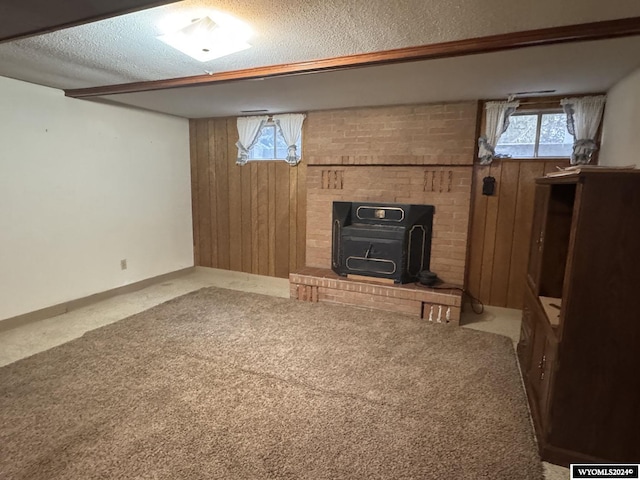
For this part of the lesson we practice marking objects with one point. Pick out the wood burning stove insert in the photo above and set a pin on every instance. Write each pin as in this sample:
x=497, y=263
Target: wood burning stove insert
x=381, y=240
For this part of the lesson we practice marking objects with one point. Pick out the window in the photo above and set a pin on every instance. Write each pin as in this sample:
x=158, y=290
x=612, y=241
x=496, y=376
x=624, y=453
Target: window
x=271, y=145
x=536, y=134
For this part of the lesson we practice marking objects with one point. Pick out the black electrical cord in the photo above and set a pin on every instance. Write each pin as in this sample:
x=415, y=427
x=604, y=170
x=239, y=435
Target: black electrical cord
x=476, y=305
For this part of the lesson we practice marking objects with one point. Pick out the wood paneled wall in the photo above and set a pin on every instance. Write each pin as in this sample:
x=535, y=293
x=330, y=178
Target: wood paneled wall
x=501, y=229
x=247, y=219
x=253, y=218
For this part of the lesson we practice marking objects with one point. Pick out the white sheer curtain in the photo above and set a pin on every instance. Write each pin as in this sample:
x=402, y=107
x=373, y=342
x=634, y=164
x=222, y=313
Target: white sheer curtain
x=583, y=119
x=248, y=132
x=290, y=126
x=496, y=123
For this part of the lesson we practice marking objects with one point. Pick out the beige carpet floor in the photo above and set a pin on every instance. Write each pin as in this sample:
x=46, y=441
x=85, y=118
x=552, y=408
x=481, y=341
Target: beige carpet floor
x=220, y=384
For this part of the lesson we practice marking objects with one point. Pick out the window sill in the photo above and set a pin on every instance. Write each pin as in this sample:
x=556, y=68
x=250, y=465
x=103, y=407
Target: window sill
x=266, y=160
x=559, y=160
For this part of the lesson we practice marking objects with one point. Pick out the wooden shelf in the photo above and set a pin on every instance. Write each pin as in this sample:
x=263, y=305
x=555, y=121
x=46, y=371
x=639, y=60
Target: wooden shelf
x=551, y=306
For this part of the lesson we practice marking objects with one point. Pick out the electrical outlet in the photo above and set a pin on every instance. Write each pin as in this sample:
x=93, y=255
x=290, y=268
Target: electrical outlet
x=123, y=264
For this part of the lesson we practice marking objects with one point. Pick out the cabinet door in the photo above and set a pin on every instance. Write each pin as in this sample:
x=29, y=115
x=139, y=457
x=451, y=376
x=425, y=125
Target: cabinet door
x=542, y=367
x=537, y=235
x=525, y=345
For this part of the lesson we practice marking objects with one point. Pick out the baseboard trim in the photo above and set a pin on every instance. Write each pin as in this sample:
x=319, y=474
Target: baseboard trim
x=59, y=309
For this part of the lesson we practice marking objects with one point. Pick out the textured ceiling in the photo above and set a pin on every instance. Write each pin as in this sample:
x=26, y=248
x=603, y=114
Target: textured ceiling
x=124, y=49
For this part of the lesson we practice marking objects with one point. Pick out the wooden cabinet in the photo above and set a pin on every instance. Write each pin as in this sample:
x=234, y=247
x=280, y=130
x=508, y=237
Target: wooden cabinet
x=526, y=333
x=579, y=346
x=537, y=353
x=537, y=229
x=542, y=368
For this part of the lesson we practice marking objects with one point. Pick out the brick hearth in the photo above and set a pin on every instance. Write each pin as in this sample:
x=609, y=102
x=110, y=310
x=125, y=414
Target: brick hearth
x=323, y=285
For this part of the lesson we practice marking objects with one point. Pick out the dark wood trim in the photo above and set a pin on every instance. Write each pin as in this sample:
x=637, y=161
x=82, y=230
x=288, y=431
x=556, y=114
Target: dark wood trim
x=474, y=187
x=390, y=164
x=105, y=8
x=493, y=43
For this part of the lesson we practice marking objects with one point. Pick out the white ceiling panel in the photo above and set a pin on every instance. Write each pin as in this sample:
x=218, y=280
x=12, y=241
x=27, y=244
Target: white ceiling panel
x=568, y=68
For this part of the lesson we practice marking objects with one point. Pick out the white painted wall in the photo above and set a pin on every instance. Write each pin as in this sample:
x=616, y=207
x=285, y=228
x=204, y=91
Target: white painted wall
x=621, y=124
x=82, y=186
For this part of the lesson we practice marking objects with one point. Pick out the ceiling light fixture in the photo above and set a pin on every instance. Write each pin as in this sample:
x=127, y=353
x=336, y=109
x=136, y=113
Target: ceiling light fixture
x=209, y=37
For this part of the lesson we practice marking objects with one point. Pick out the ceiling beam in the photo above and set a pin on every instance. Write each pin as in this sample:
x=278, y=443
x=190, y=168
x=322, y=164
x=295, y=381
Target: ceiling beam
x=27, y=18
x=472, y=46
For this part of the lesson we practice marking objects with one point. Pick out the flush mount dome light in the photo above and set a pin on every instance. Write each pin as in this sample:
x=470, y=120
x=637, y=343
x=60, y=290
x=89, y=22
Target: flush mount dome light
x=205, y=39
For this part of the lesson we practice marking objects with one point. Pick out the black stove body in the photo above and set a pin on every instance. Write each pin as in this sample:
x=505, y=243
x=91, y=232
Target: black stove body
x=385, y=240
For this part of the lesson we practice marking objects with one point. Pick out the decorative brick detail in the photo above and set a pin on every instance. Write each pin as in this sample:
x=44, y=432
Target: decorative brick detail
x=438, y=306
x=439, y=313
x=440, y=181
x=332, y=179
x=305, y=293
x=308, y=293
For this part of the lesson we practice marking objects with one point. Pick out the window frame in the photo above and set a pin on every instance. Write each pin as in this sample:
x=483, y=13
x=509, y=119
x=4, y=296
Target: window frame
x=539, y=112
x=271, y=124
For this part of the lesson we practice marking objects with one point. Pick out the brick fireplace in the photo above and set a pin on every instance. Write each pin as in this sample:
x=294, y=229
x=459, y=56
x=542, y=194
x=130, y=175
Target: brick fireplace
x=410, y=154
